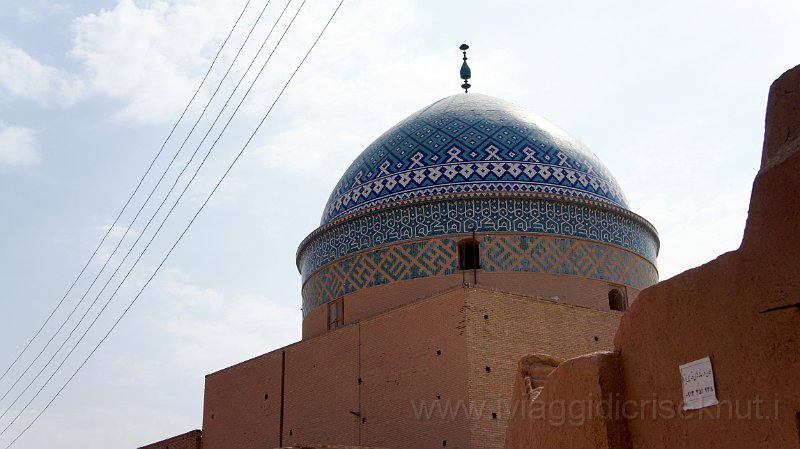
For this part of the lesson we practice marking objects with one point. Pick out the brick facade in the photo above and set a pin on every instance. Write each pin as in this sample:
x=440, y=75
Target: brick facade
x=368, y=302
x=189, y=440
x=413, y=376
x=502, y=328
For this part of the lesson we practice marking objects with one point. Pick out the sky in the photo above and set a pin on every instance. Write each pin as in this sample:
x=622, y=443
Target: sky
x=670, y=95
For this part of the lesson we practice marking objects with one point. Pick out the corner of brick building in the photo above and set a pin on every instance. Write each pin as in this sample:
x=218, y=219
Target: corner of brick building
x=742, y=310
x=188, y=440
x=356, y=385
x=501, y=328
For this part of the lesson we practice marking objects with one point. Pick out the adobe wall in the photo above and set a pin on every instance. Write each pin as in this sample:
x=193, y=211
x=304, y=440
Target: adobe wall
x=741, y=310
x=414, y=357
x=411, y=377
x=371, y=301
x=503, y=327
x=592, y=383
x=721, y=310
x=568, y=289
x=358, y=385
x=321, y=389
x=189, y=440
x=325, y=446
x=242, y=404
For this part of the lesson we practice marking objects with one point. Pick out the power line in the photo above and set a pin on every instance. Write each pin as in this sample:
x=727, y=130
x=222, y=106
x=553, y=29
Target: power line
x=141, y=208
x=180, y=237
x=130, y=198
x=166, y=197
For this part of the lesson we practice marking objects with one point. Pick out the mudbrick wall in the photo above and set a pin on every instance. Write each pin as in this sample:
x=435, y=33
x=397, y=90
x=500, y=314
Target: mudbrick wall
x=742, y=310
x=352, y=386
x=435, y=373
x=189, y=440
x=501, y=328
x=367, y=302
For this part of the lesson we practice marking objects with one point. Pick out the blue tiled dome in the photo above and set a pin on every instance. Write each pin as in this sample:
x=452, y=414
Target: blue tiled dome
x=537, y=200
x=471, y=143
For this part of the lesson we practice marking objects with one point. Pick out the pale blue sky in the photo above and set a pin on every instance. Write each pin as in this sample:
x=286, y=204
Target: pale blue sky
x=670, y=95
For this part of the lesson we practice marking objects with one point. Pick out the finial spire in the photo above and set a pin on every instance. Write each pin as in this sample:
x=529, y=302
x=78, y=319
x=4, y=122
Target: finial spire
x=466, y=73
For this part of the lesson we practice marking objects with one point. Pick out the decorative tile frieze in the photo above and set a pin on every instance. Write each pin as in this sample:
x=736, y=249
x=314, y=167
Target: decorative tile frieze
x=499, y=253
x=484, y=215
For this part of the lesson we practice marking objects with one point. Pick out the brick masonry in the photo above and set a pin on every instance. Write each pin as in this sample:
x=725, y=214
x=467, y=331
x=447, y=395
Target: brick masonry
x=568, y=289
x=501, y=329
x=189, y=440
x=413, y=376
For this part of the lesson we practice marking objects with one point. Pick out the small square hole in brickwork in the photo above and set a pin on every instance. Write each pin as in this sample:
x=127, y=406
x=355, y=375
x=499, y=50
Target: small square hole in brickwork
x=438, y=352
x=486, y=317
x=494, y=415
x=444, y=443
x=266, y=396
x=488, y=369
x=363, y=420
x=290, y=432
x=438, y=396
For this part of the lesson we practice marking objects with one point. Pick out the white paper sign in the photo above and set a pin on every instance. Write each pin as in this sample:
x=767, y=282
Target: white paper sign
x=698, y=384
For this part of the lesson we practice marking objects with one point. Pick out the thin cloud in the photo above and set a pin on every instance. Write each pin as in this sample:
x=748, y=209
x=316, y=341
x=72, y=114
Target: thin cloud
x=22, y=76
x=209, y=329
x=38, y=10
x=318, y=127
x=18, y=148
x=166, y=49
x=115, y=234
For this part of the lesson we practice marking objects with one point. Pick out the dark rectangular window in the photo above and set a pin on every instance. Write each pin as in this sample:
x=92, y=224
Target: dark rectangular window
x=335, y=314
x=617, y=300
x=469, y=256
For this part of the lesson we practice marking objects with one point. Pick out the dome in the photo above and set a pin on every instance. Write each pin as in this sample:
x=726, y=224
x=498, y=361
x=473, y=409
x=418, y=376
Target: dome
x=475, y=183
x=471, y=143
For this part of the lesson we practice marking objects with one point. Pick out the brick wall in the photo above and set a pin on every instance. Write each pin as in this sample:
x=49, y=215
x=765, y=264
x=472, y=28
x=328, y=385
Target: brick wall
x=421, y=368
x=372, y=301
x=414, y=357
x=414, y=353
x=369, y=302
x=322, y=389
x=502, y=328
x=189, y=440
x=242, y=405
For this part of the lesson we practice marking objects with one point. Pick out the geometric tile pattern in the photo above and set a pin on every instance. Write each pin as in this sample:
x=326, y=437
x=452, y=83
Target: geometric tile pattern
x=498, y=214
x=471, y=143
x=499, y=253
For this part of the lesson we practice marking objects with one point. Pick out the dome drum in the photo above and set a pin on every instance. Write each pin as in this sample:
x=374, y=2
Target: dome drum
x=487, y=213
x=419, y=239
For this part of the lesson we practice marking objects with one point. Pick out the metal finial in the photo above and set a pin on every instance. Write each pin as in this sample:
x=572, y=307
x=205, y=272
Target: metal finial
x=466, y=73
